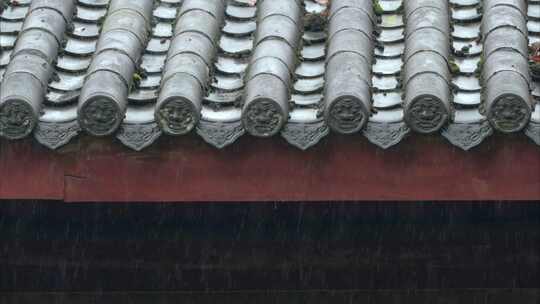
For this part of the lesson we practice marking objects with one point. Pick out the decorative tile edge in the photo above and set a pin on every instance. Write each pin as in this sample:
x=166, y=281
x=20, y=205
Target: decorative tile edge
x=138, y=136
x=467, y=136
x=55, y=135
x=305, y=135
x=220, y=134
x=386, y=135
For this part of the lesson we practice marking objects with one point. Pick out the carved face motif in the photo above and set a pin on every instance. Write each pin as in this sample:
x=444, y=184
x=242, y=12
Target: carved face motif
x=347, y=115
x=427, y=114
x=263, y=118
x=509, y=114
x=16, y=119
x=100, y=116
x=177, y=117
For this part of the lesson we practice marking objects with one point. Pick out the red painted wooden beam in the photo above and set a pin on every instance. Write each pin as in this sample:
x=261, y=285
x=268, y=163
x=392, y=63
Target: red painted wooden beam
x=339, y=168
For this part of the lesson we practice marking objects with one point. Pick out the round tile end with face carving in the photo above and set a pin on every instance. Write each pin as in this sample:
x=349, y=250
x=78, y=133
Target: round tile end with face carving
x=177, y=116
x=426, y=114
x=100, y=116
x=17, y=119
x=347, y=115
x=263, y=117
x=509, y=113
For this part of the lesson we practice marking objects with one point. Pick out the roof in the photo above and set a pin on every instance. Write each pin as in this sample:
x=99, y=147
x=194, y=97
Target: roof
x=138, y=70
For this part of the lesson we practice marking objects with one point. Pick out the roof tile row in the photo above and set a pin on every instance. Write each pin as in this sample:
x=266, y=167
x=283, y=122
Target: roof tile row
x=221, y=68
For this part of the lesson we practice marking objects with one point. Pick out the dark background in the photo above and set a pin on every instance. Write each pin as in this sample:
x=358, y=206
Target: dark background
x=372, y=253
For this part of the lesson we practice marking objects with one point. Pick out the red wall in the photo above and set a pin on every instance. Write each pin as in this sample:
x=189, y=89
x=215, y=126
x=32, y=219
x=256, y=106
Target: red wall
x=339, y=168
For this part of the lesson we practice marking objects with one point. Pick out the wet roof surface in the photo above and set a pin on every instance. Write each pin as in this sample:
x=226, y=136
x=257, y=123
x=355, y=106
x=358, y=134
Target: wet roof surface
x=299, y=69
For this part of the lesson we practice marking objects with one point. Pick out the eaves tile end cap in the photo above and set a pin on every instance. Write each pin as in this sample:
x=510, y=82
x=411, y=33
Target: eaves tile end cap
x=17, y=118
x=347, y=114
x=177, y=116
x=509, y=113
x=263, y=117
x=426, y=114
x=100, y=115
